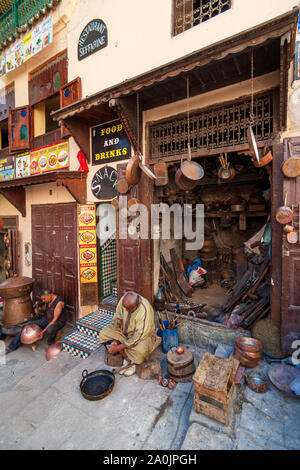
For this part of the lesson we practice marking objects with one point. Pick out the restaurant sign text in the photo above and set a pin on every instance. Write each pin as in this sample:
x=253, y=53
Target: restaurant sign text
x=92, y=38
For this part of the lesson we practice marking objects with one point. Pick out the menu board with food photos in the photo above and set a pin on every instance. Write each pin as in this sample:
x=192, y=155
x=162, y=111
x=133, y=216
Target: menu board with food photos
x=87, y=243
x=49, y=158
x=23, y=49
x=23, y=165
x=7, y=168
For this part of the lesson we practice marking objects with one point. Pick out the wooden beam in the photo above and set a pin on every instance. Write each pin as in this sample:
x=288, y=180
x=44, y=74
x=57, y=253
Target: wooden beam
x=17, y=197
x=276, y=261
x=80, y=131
x=126, y=109
x=76, y=187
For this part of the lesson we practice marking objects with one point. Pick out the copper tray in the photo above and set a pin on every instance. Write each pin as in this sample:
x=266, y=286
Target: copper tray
x=281, y=376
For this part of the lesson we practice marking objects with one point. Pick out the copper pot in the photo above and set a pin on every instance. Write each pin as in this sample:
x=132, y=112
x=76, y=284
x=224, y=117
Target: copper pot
x=53, y=350
x=184, y=183
x=17, y=302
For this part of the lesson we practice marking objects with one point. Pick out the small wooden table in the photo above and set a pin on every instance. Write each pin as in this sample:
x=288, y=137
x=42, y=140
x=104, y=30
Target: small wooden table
x=214, y=386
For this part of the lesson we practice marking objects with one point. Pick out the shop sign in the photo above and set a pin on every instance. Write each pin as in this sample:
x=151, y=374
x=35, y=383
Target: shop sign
x=22, y=50
x=49, y=158
x=104, y=183
x=109, y=143
x=92, y=39
x=7, y=168
x=87, y=243
x=23, y=165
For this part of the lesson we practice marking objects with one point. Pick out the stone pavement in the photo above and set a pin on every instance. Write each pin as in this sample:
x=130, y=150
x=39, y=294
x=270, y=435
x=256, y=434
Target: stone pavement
x=41, y=407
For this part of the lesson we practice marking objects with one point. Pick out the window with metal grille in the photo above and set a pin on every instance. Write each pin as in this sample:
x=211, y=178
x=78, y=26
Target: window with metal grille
x=189, y=13
x=216, y=128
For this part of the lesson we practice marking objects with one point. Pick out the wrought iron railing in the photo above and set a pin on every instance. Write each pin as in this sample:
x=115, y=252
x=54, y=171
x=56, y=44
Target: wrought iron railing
x=20, y=17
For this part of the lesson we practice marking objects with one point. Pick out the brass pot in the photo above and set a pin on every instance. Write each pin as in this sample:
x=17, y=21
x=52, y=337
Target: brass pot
x=208, y=246
x=17, y=302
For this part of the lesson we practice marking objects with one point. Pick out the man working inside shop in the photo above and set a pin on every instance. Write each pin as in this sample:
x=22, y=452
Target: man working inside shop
x=132, y=331
x=52, y=318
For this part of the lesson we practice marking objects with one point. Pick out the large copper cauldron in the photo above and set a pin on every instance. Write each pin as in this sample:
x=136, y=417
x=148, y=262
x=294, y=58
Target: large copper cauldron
x=17, y=302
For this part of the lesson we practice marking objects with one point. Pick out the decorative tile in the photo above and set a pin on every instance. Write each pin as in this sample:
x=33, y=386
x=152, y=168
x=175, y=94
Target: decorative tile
x=96, y=321
x=115, y=291
x=80, y=344
x=75, y=351
x=108, y=262
x=85, y=339
x=112, y=300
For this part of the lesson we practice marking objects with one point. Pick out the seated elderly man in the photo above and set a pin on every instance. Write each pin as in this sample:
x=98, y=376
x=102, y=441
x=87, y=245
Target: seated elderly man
x=132, y=331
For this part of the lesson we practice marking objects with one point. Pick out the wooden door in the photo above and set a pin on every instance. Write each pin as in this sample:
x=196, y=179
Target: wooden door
x=290, y=300
x=54, y=252
x=128, y=252
x=134, y=256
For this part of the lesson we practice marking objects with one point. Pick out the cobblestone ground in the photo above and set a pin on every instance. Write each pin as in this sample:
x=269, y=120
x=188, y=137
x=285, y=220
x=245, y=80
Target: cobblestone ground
x=41, y=407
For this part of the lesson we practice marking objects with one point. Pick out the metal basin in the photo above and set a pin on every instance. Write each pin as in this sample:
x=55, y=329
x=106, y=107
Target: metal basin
x=250, y=345
x=257, y=381
x=30, y=334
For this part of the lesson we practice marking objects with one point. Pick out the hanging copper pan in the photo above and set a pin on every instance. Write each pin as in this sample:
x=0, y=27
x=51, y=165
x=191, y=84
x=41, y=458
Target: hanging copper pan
x=161, y=173
x=133, y=171
x=292, y=236
x=263, y=161
x=122, y=186
x=147, y=171
x=252, y=144
x=184, y=183
x=284, y=214
x=191, y=170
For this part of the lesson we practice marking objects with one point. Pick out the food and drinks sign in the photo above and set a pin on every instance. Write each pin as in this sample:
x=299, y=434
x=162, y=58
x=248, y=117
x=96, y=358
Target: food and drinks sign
x=109, y=143
x=22, y=50
x=87, y=243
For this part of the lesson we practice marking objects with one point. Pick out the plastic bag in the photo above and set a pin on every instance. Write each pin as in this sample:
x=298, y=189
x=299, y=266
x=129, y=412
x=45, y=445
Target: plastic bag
x=195, y=276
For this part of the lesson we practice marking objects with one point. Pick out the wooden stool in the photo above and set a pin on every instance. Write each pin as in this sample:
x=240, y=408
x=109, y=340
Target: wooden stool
x=181, y=367
x=214, y=386
x=113, y=360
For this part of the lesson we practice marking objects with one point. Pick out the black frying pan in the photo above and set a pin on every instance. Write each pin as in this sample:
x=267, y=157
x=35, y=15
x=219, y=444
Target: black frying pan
x=97, y=385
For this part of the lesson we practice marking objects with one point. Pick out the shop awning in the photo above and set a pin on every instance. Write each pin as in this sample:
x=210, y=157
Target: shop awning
x=217, y=66
x=14, y=189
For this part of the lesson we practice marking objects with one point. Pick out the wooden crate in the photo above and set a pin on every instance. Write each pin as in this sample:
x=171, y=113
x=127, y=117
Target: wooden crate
x=214, y=386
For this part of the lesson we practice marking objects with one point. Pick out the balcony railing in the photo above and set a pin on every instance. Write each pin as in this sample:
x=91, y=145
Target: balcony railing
x=20, y=17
